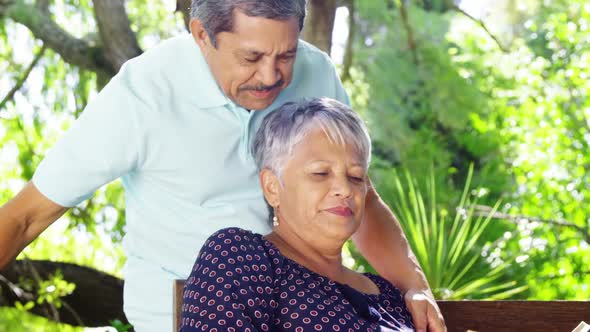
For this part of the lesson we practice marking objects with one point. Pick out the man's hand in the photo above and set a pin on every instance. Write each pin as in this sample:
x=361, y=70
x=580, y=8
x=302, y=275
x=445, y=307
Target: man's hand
x=381, y=240
x=425, y=312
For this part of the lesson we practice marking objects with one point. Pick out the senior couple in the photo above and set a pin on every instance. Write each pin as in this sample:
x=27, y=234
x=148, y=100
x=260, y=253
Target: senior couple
x=177, y=124
x=313, y=158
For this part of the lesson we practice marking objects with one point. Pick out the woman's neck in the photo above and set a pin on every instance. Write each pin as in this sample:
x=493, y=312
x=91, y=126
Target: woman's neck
x=326, y=260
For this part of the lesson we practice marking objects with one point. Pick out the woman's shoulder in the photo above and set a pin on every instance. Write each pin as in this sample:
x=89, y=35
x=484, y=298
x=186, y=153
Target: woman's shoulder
x=236, y=234
x=234, y=239
x=238, y=246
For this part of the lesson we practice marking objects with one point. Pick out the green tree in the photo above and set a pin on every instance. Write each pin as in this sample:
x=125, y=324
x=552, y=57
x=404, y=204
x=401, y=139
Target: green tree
x=510, y=96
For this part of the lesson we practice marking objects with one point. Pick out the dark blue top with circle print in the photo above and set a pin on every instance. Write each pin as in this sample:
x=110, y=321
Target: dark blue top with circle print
x=241, y=282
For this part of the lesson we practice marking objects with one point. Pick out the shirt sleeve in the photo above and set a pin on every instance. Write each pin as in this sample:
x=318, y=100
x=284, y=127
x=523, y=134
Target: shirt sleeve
x=230, y=287
x=103, y=144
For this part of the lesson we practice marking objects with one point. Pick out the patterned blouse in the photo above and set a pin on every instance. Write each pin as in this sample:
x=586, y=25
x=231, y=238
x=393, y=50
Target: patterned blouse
x=241, y=282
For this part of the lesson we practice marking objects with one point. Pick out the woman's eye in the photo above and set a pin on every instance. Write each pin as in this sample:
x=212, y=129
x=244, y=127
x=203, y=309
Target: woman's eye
x=320, y=174
x=356, y=179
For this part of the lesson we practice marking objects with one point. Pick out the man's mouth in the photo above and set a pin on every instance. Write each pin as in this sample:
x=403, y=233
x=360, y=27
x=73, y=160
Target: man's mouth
x=263, y=92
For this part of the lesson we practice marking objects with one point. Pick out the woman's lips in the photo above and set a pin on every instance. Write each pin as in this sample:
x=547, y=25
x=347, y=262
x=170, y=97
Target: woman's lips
x=341, y=211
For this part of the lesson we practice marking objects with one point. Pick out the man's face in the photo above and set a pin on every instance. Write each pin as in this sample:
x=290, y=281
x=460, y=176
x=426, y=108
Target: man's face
x=253, y=63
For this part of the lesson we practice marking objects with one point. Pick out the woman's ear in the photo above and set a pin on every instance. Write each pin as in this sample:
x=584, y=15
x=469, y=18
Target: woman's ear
x=270, y=187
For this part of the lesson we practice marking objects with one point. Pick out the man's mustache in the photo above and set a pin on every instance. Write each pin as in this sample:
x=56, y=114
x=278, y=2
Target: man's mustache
x=262, y=87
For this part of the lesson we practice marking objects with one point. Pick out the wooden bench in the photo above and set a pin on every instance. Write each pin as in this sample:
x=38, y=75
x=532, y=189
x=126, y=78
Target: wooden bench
x=484, y=316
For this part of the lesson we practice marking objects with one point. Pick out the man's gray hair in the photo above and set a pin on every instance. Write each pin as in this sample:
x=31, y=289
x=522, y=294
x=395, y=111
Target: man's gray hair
x=218, y=15
x=281, y=130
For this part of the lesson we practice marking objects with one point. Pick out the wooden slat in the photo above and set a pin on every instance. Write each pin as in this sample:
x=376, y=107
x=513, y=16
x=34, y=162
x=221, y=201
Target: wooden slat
x=177, y=302
x=487, y=316
x=504, y=316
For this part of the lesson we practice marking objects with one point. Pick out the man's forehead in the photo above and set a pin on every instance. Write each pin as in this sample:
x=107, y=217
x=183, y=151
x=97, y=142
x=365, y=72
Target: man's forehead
x=250, y=50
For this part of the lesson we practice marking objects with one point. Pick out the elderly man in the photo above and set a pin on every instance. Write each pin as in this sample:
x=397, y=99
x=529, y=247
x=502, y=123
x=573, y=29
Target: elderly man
x=176, y=124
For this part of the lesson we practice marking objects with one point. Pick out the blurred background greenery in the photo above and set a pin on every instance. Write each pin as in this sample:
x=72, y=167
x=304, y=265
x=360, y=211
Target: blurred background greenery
x=478, y=109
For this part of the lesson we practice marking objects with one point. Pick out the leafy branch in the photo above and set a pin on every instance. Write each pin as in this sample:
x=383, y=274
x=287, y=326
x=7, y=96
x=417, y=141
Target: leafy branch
x=482, y=210
x=22, y=79
x=481, y=24
x=403, y=9
x=554, y=276
x=47, y=291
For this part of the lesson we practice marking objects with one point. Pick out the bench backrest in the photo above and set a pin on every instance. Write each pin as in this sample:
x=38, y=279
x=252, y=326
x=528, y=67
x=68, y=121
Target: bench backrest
x=483, y=316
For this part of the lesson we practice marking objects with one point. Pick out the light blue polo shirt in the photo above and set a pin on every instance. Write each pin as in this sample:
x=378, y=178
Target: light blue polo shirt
x=181, y=148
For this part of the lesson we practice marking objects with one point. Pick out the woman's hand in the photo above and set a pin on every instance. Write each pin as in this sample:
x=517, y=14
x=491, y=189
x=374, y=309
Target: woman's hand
x=425, y=312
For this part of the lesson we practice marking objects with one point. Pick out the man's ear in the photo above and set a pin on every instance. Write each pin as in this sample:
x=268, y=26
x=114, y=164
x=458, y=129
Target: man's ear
x=199, y=33
x=270, y=187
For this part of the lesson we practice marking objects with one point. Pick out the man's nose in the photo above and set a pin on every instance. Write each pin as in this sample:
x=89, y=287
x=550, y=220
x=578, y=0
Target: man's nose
x=268, y=72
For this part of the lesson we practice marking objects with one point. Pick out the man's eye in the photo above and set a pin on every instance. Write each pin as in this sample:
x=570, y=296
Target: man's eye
x=251, y=60
x=287, y=58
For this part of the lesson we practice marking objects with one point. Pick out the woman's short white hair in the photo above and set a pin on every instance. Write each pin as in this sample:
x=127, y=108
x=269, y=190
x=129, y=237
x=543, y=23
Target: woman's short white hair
x=282, y=129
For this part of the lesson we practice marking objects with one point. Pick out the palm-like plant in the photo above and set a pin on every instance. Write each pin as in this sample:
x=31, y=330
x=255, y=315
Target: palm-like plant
x=449, y=248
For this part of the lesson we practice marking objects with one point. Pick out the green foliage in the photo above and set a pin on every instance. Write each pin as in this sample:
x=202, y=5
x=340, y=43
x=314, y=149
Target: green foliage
x=48, y=292
x=539, y=92
x=421, y=107
x=18, y=319
x=450, y=248
x=153, y=21
x=521, y=116
x=120, y=326
x=52, y=290
x=53, y=96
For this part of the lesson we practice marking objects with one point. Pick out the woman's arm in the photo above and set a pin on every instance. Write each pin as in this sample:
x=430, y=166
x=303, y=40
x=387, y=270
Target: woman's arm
x=382, y=241
x=224, y=291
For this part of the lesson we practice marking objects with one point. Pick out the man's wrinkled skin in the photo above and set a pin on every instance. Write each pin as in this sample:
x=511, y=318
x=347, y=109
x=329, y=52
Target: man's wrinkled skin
x=425, y=311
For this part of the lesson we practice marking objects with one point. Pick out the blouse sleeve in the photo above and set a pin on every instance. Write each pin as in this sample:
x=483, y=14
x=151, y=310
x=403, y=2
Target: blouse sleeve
x=230, y=287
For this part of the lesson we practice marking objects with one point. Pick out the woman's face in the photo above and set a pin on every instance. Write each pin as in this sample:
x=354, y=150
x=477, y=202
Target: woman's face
x=322, y=197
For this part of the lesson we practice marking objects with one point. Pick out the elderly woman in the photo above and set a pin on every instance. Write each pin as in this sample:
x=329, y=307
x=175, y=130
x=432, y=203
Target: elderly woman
x=313, y=158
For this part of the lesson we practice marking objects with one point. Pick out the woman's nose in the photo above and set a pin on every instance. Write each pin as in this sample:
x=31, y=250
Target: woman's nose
x=341, y=187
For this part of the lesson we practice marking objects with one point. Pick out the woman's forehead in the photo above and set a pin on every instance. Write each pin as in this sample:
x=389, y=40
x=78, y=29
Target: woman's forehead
x=317, y=147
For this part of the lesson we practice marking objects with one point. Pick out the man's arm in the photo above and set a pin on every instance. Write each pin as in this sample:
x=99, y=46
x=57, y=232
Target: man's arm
x=383, y=243
x=22, y=219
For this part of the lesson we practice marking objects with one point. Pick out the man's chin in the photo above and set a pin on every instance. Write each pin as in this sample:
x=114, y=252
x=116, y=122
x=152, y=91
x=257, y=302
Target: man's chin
x=256, y=104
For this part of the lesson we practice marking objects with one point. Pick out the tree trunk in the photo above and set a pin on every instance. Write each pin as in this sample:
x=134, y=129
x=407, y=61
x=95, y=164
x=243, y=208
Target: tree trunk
x=97, y=299
x=320, y=23
x=118, y=40
x=184, y=7
x=349, y=51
